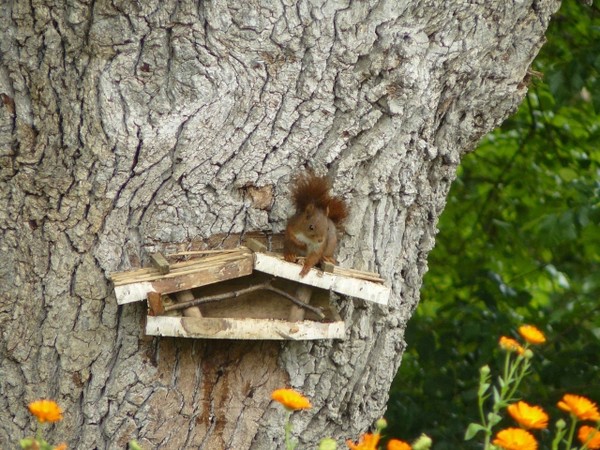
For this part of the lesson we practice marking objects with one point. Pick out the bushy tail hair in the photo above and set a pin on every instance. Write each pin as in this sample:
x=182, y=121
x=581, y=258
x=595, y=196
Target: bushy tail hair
x=309, y=188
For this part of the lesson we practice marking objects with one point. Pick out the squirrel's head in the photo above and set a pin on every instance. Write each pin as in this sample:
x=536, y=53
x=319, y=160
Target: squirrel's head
x=314, y=223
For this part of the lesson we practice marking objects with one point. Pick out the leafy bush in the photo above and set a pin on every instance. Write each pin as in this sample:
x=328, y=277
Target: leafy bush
x=519, y=242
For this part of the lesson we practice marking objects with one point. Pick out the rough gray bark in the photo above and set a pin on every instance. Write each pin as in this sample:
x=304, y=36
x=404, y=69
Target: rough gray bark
x=134, y=126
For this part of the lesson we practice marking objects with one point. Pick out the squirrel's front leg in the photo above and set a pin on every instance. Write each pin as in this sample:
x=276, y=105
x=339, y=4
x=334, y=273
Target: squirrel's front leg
x=310, y=261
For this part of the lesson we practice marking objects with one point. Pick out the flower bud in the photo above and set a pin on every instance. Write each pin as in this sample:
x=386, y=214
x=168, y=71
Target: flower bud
x=327, y=444
x=133, y=445
x=560, y=424
x=380, y=424
x=423, y=442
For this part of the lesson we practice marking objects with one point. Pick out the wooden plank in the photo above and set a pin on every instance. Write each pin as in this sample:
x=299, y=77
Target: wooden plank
x=188, y=279
x=248, y=329
x=363, y=289
x=150, y=273
x=136, y=292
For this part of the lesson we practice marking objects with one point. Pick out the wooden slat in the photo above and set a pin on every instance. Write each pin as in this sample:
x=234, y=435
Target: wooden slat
x=250, y=329
x=364, y=289
x=188, y=278
x=160, y=262
x=202, y=252
x=369, y=276
x=256, y=246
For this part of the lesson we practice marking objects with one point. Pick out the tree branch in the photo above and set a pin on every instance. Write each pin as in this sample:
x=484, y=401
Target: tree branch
x=266, y=286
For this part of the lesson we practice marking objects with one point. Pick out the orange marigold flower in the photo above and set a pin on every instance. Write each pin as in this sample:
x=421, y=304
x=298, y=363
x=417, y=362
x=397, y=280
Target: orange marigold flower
x=368, y=441
x=291, y=399
x=510, y=345
x=397, y=444
x=531, y=334
x=581, y=407
x=590, y=436
x=528, y=416
x=515, y=439
x=62, y=446
x=45, y=410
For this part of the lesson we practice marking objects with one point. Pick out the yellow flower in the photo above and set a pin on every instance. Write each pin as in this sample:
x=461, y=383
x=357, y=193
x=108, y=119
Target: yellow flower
x=528, y=416
x=531, y=334
x=396, y=444
x=510, y=345
x=368, y=441
x=579, y=406
x=590, y=436
x=291, y=399
x=45, y=411
x=515, y=439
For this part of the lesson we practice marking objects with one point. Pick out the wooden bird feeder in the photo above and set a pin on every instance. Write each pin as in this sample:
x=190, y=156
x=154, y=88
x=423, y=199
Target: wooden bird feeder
x=243, y=294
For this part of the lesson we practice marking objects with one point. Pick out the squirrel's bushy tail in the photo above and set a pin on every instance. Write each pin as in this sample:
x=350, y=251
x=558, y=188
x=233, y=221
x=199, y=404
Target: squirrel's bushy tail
x=309, y=188
x=337, y=211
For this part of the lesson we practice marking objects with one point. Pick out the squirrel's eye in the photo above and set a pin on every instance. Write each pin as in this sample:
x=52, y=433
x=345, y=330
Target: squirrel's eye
x=311, y=227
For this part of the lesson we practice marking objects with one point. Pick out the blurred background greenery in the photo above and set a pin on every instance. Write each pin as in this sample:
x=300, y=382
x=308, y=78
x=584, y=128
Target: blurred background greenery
x=519, y=242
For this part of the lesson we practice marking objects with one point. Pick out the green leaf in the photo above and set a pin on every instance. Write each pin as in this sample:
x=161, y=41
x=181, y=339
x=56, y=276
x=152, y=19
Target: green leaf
x=483, y=387
x=501, y=382
x=496, y=395
x=494, y=419
x=26, y=443
x=472, y=430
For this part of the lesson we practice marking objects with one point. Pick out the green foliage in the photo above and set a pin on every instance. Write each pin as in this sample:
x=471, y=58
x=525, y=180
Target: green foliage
x=133, y=445
x=519, y=243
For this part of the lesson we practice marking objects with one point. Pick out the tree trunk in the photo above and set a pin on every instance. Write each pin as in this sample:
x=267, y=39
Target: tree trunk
x=129, y=127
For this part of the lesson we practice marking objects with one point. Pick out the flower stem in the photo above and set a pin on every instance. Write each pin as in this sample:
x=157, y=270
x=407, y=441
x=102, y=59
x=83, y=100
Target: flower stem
x=507, y=367
x=289, y=445
x=560, y=433
x=524, y=368
x=571, y=432
x=484, y=385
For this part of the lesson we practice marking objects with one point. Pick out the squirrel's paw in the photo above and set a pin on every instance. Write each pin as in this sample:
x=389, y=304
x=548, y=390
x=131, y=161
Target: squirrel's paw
x=304, y=270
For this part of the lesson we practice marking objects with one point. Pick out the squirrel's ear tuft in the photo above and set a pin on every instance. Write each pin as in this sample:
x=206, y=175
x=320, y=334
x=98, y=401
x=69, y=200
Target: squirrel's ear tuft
x=310, y=209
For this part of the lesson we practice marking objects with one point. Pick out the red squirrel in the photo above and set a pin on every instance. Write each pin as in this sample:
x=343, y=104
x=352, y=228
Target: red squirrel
x=312, y=231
